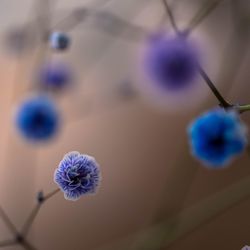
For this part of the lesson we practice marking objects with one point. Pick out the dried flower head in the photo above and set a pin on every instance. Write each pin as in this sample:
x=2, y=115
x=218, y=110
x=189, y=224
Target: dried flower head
x=54, y=76
x=77, y=175
x=170, y=62
x=59, y=40
x=37, y=118
x=216, y=137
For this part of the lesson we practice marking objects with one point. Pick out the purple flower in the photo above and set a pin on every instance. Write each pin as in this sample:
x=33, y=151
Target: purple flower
x=216, y=137
x=170, y=62
x=55, y=76
x=77, y=175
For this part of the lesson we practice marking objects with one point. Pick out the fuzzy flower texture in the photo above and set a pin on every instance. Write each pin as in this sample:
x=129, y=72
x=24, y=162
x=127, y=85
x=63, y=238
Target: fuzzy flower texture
x=59, y=40
x=55, y=76
x=37, y=118
x=170, y=61
x=216, y=137
x=77, y=175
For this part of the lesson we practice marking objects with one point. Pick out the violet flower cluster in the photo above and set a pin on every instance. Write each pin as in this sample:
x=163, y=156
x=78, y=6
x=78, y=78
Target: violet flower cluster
x=77, y=175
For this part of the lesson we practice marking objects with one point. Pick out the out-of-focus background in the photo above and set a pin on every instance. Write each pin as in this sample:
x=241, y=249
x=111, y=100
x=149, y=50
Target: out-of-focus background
x=153, y=194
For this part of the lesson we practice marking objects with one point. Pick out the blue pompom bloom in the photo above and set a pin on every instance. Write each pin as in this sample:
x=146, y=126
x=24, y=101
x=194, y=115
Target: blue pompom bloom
x=59, y=41
x=217, y=136
x=37, y=118
x=55, y=76
x=77, y=175
x=171, y=62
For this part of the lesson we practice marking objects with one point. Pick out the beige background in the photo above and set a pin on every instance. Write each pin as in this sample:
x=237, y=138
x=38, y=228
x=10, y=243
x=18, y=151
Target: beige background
x=148, y=174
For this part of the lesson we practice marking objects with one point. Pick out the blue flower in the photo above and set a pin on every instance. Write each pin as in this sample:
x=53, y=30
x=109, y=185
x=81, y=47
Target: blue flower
x=37, y=118
x=216, y=137
x=59, y=41
x=170, y=62
x=77, y=175
x=55, y=76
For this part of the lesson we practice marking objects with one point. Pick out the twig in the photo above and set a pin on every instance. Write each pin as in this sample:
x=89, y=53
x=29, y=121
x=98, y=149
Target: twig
x=202, y=14
x=34, y=212
x=220, y=98
x=7, y=243
x=171, y=16
x=49, y=195
x=27, y=245
x=243, y=108
x=7, y=221
x=72, y=20
x=30, y=220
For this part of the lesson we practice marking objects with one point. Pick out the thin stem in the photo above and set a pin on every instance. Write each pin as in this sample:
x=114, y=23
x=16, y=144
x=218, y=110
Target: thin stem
x=171, y=16
x=104, y=20
x=76, y=17
x=220, y=98
x=203, y=74
x=27, y=245
x=243, y=108
x=6, y=243
x=7, y=221
x=71, y=20
x=35, y=210
x=202, y=14
x=51, y=194
x=30, y=220
x=115, y=26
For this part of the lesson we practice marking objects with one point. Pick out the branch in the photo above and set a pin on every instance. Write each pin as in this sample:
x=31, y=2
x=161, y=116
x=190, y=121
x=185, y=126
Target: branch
x=7, y=243
x=30, y=220
x=171, y=16
x=28, y=246
x=7, y=221
x=243, y=108
x=51, y=194
x=72, y=20
x=202, y=14
x=34, y=212
x=220, y=98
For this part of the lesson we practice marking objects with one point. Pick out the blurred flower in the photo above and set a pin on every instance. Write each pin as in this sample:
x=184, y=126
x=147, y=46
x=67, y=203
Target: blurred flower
x=59, y=41
x=217, y=136
x=246, y=248
x=77, y=175
x=55, y=76
x=19, y=40
x=37, y=118
x=170, y=62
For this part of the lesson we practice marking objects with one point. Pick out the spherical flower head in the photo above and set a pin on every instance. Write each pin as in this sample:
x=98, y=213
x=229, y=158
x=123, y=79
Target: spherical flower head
x=55, y=76
x=59, y=41
x=216, y=137
x=37, y=118
x=77, y=175
x=170, y=61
